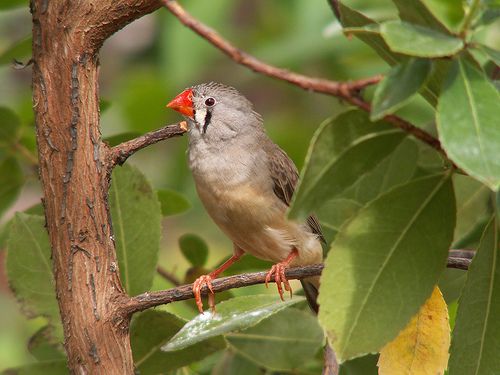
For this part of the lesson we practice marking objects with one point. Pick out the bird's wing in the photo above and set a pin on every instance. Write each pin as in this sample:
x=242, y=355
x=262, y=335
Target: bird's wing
x=285, y=177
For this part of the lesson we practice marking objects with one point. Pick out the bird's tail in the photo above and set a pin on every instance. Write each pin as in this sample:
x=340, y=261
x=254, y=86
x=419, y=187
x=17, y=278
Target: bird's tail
x=311, y=287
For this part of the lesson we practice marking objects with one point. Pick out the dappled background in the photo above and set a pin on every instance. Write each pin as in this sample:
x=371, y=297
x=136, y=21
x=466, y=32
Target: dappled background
x=149, y=62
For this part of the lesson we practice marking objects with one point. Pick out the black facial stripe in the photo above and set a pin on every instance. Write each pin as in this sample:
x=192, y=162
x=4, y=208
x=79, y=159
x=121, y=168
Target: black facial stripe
x=206, y=122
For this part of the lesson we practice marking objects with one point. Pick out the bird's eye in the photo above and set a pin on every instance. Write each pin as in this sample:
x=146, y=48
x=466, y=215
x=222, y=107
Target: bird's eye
x=210, y=102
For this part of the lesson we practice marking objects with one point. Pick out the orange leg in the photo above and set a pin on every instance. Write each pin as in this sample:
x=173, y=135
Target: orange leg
x=279, y=274
x=207, y=280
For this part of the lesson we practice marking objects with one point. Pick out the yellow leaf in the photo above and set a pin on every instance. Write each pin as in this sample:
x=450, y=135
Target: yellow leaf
x=422, y=347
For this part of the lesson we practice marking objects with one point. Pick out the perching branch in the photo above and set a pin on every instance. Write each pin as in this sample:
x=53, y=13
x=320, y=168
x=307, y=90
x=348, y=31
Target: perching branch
x=121, y=152
x=349, y=91
x=151, y=299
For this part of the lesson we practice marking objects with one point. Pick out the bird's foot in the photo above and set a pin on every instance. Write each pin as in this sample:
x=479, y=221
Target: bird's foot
x=279, y=278
x=279, y=274
x=197, y=285
x=207, y=280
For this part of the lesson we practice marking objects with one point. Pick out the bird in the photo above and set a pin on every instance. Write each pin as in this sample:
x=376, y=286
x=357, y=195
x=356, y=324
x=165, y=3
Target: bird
x=246, y=183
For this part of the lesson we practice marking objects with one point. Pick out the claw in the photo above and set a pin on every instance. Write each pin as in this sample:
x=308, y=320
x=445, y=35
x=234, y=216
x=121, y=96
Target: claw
x=285, y=281
x=207, y=280
x=268, y=276
x=197, y=285
x=279, y=275
x=279, y=278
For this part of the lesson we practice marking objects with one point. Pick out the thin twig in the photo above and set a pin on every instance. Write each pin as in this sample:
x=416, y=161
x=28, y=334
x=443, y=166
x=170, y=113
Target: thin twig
x=151, y=299
x=341, y=89
x=168, y=276
x=32, y=159
x=121, y=152
x=349, y=91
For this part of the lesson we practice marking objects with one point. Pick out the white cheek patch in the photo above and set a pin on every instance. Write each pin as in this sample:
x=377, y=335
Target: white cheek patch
x=199, y=117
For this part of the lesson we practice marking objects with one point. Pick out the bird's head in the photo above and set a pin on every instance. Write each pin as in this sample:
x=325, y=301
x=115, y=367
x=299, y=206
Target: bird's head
x=216, y=112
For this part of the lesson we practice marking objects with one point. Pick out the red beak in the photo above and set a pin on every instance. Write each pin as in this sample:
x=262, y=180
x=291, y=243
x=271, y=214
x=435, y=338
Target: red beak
x=183, y=103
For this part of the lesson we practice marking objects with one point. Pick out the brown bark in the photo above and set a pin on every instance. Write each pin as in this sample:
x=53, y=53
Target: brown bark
x=75, y=178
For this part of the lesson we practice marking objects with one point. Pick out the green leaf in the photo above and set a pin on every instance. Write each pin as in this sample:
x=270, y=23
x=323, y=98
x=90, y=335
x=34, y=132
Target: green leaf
x=234, y=314
x=57, y=367
x=493, y=54
x=396, y=169
x=29, y=267
x=434, y=14
x=449, y=12
x=435, y=81
x=36, y=209
x=334, y=213
x=414, y=40
x=172, y=203
x=44, y=346
x=474, y=347
x=122, y=137
x=136, y=222
x=467, y=118
x=141, y=90
x=9, y=125
x=104, y=105
x=400, y=85
x=232, y=363
x=11, y=182
x=18, y=51
x=451, y=284
x=387, y=259
x=285, y=341
x=194, y=248
x=366, y=365
x=9, y=4
x=246, y=264
x=473, y=205
x=152, y=329
x=490, y=14
x=352, y=18
x=341, y=152
x=474, y=236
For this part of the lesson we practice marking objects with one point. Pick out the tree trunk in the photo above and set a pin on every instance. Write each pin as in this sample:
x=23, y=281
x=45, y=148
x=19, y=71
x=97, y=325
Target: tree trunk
x=75, y=177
